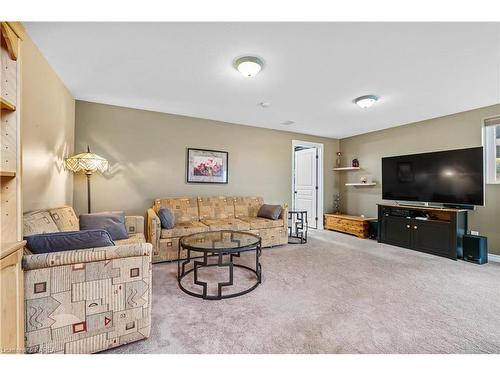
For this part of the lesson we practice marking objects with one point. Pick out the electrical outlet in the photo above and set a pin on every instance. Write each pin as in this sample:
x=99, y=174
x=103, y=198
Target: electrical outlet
x=474, y=232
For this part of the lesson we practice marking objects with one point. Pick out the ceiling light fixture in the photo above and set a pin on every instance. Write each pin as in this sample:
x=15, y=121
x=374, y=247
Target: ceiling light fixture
x=366, y=101
x=288, y=122
x=249, y=66
x=264, y=104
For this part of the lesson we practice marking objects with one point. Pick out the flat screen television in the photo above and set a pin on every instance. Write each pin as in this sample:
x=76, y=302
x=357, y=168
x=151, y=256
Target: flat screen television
x=454, y=177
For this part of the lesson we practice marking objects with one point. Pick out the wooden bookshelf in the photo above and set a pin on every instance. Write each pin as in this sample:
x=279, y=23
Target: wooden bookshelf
x=6, y=105
x=11, y=244
x=7, y=174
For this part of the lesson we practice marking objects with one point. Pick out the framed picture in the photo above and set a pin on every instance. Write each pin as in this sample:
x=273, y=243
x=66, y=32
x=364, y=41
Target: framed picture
x=206, y=166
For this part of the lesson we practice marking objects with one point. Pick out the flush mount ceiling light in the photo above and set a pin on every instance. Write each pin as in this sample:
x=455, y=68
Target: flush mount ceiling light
x=366, y=101
x=249, y=66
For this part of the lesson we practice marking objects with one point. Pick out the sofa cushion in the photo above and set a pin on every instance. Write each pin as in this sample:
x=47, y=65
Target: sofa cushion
x=183, y=229
x=38, y=222
x=184, y=209
x=132, y=239
x=62, y=241
x=247, y=206
x=216, y=207
x=270, y=211
x=113, y=222
x=167, y=218
x=65, y=219
x=262, y=223
x=226, y=224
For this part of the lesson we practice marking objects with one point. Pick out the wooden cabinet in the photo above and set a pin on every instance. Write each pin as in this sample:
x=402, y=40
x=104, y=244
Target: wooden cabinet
x=356, y=225
x=11, y=246
x=12, y=306
x=431, y=230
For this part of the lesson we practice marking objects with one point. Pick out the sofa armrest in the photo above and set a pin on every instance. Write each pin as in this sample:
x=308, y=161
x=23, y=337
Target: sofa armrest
x=62, y=258
x=284, y=216
x=153, y=226
x=97, y=294
x=134, y=224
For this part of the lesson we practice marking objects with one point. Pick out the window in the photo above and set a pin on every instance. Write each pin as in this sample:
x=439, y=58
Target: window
x=492, y=149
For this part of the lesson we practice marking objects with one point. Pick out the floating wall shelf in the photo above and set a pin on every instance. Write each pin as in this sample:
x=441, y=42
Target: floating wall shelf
x=357, y=184
x=347, y=169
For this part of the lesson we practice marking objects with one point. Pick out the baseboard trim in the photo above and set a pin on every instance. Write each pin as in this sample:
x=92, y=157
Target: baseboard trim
x=493, y=257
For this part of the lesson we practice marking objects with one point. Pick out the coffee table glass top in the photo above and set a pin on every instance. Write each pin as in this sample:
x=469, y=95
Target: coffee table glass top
x=223, y=240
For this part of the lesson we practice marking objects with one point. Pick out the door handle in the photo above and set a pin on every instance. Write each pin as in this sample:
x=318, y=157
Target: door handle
x=408, y=226
x=415, y=227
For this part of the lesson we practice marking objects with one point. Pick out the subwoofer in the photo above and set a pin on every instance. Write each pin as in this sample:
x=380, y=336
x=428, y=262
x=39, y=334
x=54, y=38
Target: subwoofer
x=373, y=229
x=475, y=249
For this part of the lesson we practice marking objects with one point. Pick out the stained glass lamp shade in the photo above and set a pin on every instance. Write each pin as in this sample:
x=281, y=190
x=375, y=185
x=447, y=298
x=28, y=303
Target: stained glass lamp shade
x=88, y=163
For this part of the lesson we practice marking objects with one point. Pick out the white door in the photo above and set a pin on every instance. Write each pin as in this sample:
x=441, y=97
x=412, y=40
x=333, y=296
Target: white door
x=305, y=183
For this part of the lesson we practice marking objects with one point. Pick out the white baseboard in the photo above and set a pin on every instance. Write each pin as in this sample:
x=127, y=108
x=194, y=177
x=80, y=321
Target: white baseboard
x=493, y=258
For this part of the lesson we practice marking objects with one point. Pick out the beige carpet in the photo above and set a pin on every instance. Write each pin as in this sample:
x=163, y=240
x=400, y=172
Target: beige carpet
x=336, y=294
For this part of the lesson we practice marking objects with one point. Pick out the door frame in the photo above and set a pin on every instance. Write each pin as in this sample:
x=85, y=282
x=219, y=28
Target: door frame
x=320, y=172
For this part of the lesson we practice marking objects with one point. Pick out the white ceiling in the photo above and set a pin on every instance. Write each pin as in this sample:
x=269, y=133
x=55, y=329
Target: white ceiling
x=312, y=71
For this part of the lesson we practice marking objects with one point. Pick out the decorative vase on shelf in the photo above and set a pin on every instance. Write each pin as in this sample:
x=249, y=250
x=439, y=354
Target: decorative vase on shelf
x=363, y=179
x=338, y=161
x=355, y=163
x=336, y=203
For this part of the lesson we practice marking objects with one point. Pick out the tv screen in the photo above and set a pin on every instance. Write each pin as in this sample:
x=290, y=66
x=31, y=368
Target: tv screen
x=450, y=177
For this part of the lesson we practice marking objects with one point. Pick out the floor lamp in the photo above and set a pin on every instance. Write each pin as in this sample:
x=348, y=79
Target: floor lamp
x=88, y=163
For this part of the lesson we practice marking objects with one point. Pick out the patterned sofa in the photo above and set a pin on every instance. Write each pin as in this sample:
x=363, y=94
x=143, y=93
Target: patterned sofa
x=89, y=300
x=202, y=214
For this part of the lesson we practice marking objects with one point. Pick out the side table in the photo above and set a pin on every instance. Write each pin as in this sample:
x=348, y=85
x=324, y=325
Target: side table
x=297, y=226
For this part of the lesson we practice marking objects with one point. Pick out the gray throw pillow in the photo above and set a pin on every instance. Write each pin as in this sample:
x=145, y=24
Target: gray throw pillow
x=270, y=211
x=62, y=241
x=113, y=222
x=167, y=219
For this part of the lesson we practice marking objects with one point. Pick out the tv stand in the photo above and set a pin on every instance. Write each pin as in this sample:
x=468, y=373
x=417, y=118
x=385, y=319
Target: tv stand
x=431, y=230
x=437, y=205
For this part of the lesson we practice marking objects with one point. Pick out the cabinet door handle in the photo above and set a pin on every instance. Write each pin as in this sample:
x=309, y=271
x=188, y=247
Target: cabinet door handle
x=415, y=227
x=408, y=226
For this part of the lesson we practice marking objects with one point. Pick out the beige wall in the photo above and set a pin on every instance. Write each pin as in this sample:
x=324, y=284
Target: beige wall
x=147, y=155
x=455, y=131
x=47, y=125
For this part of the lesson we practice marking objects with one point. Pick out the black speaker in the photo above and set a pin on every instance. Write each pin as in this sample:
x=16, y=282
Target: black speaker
x=373, y=229
x=475, y=249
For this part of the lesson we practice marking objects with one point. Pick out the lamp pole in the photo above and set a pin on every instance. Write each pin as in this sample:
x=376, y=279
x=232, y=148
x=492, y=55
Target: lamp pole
x=88, y=174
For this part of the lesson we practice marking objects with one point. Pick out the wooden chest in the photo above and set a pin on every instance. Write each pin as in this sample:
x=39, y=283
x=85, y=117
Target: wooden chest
x=355, y=225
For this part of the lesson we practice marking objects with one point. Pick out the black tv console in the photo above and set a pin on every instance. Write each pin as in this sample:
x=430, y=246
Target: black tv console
x=436, y=231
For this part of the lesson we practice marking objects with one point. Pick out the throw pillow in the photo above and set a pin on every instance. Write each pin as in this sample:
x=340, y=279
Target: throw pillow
x=113, y=222
x=270, y=211
x=167, y=219
x=62, y=241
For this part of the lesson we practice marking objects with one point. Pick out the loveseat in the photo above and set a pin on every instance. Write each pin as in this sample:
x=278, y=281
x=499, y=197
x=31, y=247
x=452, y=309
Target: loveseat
x=203, y=214
x=88, y=300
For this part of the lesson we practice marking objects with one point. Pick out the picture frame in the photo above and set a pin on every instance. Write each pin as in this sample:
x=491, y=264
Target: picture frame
x=205, y=166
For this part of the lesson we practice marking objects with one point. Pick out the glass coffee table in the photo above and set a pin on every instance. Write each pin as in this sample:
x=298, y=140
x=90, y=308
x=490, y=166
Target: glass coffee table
x=226, y=245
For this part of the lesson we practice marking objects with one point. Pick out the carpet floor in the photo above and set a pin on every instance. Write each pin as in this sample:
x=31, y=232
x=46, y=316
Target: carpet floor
x=335, y=294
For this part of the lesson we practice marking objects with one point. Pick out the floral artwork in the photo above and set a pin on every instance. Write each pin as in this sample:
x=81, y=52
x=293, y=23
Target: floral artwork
x=207, y=166
x=204, y=166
